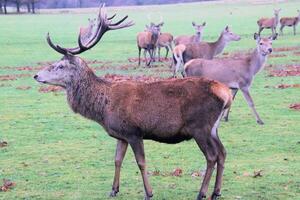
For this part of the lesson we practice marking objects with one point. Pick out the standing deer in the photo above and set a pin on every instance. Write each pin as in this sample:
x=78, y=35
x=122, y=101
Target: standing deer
x=164, y=40
x=269, y=23
x=289, y=21
x=235, y=73
x=147, y=40
x=168, y=111
x=206, y=50
x=186, y=39
x=86, y=32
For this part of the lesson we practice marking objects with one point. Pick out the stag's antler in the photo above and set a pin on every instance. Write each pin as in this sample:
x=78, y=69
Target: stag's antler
x=103, y=24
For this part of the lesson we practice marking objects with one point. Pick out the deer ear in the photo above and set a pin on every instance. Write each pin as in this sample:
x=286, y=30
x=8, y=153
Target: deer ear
x=256, y=36
x=152, y=24
x=204, y=23
x=161, y=24
x=193, y=23
x=226, y=28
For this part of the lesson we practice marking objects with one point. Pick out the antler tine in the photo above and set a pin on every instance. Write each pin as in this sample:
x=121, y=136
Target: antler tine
x=55, y=47
x=110, y=18
x=103, y=25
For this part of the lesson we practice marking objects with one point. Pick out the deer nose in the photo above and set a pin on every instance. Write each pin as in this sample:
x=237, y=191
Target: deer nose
x=270, y=50
x=35, y=76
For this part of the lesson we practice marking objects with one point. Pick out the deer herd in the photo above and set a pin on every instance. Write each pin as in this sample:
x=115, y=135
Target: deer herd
x=167, y=111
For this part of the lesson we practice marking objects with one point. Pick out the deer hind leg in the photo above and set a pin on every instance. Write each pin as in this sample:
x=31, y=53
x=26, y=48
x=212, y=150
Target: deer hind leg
x=226, y=113
x=139, y=48
x=251, y=104
x=220, y=165
x=167, y=51
x=120, y=154
x=294, y=27
x=209, y=148
x=137, y=146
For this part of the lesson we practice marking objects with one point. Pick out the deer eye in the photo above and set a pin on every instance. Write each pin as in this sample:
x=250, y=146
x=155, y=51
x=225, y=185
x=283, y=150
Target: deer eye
x=60, y=67
x=261, y=43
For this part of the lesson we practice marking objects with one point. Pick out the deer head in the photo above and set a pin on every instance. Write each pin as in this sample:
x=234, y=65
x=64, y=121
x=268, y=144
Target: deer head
x=63, y=72
x=228, y=35
x=276, y=12
x=199, y=28
x=264, y=45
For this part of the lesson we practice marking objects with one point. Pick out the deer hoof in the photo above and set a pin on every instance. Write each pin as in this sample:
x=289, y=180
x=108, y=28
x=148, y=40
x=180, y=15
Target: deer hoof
x=215, y=196
x=260, y=122
x=201, y=197
x=113, y=193
x=148, y=197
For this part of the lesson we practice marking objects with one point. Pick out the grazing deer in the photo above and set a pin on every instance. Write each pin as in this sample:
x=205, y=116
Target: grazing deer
x=186, y=39
x=269, y=23
x=147, y=40
x=168, y=111
x=289, y=21
x=206, y=50
x=86, y=32
x=235, y=73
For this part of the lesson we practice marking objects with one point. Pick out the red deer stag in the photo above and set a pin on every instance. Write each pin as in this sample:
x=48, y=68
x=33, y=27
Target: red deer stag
x=269, y=23
x=168, y=111
x=235, y=73
x=147, y=40
x=186, y=39
x=206, y=50
x=289, y=21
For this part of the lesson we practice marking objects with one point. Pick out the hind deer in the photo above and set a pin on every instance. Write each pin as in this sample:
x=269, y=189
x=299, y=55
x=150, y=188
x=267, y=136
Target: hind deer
x=269, y=23
x=86, y=32
x=186, y=39
x=147, y=40
x=289, y=21
x=237, y=74
x=206, y=50
x=169, y=111
x=164, y=40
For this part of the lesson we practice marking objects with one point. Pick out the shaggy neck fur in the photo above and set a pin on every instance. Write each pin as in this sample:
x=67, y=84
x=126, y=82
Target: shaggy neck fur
x=88, y=95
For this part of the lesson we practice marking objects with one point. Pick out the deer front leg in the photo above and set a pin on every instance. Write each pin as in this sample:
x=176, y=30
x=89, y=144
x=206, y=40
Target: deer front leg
x=260, y=30
x=137, y=146
x=251, y=104
x=120, y=154
x=294, y=27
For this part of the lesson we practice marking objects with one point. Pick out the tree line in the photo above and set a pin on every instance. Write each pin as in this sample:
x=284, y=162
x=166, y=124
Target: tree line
x=31, y=5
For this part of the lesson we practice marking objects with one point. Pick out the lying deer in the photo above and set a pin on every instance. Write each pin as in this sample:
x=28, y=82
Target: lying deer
x=169, y=111
x=235, y=73
x=289, y=21
x=269, y=23
x=206, y=50
x=186, y=39
x=147, y=40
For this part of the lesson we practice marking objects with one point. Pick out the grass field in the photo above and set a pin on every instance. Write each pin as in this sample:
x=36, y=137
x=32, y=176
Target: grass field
x=54, y=154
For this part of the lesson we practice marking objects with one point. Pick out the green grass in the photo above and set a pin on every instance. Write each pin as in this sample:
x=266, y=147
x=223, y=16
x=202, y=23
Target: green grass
x=55, y=154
